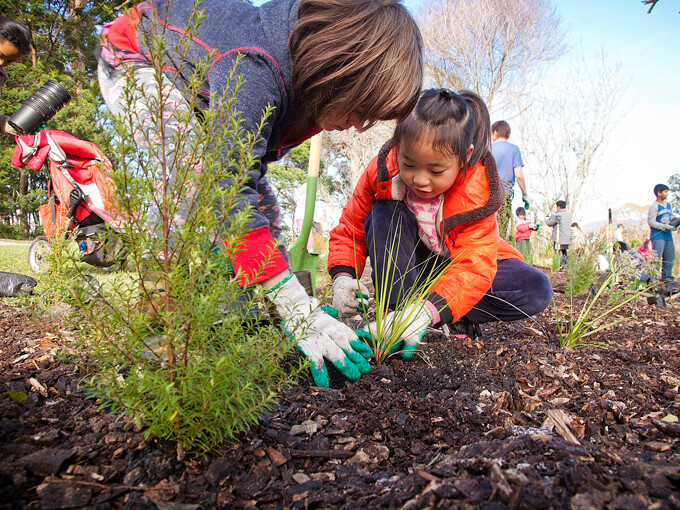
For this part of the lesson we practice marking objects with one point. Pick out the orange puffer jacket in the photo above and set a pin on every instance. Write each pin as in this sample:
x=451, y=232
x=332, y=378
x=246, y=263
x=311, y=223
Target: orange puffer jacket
x=469, y=228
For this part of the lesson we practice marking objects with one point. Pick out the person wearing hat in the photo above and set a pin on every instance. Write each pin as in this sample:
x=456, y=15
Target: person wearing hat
x=662, y=222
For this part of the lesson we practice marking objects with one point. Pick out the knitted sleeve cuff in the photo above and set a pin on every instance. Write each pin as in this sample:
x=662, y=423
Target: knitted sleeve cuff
x=257, y=258
x=337, y=270
x=434, y=313
x=444, y=312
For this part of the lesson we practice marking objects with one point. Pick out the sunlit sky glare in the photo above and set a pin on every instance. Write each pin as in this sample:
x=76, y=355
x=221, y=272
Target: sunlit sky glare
x=642, y=149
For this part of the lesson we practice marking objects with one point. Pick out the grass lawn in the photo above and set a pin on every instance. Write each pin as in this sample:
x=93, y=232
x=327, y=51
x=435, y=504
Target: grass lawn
x=14, y=259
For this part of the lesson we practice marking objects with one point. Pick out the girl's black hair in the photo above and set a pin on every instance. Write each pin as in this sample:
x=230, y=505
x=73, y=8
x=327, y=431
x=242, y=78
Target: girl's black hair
x=16, y=33
x=451, y=122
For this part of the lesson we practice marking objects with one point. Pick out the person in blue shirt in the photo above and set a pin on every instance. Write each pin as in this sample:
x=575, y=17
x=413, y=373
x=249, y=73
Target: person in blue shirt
x=662, y=222
x=510, y=169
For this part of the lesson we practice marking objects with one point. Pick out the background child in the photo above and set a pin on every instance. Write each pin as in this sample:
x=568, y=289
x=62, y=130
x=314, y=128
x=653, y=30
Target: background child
x=659, y=218
x=523, y=234
x=560, y=221
x=578, y=238
x=15, y=42
x=435, y=189
x=321, y=64
x=618, y=233
x=646, y=250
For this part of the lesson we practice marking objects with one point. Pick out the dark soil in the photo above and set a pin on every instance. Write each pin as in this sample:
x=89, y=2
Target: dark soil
x=508, y=421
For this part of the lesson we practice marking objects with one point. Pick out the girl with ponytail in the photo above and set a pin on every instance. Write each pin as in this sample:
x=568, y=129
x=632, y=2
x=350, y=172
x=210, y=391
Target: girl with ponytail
x=427, y=202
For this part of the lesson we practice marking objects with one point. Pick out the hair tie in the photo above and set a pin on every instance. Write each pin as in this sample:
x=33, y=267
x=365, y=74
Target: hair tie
x=446, y=94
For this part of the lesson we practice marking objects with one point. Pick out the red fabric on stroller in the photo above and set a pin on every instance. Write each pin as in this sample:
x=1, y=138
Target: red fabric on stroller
x=70, y=162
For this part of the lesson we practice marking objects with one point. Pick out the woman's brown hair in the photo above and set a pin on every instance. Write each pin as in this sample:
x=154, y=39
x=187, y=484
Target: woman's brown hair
x=361, y=56
x=450, y=122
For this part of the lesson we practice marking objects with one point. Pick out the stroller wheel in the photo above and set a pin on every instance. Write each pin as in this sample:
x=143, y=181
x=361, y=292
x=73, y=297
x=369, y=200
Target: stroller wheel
x=38, y=253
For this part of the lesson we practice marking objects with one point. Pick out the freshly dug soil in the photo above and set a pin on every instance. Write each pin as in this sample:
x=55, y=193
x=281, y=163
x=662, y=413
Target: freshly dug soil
x=507, y=421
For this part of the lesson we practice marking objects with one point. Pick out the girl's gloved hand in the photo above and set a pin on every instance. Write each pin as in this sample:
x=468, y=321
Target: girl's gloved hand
x=318, y=335
x=349, y=295
x=410, y=324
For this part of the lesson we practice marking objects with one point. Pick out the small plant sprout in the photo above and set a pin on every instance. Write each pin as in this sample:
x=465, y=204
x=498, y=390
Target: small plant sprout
x=384, y=335
x=574, y=331
x=581, y=271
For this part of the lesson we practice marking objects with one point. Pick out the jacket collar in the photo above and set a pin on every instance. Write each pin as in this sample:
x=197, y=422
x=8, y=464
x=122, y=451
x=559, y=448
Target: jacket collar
x=483, y=210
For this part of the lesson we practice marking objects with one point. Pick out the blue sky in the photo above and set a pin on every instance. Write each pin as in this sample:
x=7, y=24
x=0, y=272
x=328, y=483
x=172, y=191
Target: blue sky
x=640, y=152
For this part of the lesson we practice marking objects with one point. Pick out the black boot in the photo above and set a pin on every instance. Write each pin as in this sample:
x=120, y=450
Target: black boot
x=465, y=327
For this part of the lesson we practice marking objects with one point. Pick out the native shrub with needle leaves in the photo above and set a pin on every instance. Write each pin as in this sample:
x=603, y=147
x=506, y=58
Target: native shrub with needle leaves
x=157, y=353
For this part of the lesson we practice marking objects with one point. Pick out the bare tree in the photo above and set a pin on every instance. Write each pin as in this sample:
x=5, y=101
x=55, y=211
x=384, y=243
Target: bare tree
x=562, y=135
x=493, y=47
x=651, y=4
x=350, y=152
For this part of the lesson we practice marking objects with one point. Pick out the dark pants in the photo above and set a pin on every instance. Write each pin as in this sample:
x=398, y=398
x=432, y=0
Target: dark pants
x=399, y=260
x=563, y=251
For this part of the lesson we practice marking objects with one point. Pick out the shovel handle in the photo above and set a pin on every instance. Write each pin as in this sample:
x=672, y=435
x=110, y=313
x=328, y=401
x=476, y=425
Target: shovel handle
x=314, y=156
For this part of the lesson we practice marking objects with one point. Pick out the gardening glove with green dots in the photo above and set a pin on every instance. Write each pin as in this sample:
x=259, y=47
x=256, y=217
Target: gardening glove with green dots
x=525, y=199
x=409, y=323
x=349, y=295
x=318, y=335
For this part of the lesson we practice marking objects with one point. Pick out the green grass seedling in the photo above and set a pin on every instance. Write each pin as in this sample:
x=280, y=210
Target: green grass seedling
x=574, y=331
x=386, y=338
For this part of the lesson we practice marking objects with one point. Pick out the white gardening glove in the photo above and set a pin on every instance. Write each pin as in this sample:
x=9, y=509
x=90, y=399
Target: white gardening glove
x=318, y=335
x=410, y=324
x=349, y=295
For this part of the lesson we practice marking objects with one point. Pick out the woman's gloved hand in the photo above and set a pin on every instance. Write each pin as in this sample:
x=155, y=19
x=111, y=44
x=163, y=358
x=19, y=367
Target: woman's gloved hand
x=349, y=295
x=409, y=324
x=318, y=335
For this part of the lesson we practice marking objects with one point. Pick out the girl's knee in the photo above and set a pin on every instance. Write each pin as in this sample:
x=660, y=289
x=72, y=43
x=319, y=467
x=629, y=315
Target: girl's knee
x=389, y=213
x=542, y=292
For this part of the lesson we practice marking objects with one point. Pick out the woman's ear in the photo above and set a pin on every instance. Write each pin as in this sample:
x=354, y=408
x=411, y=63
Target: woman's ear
x=470, y=150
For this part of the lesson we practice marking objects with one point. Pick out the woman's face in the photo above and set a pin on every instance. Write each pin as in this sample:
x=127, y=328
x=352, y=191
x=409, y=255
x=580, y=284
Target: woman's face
x=9, y=53
x=340, y=120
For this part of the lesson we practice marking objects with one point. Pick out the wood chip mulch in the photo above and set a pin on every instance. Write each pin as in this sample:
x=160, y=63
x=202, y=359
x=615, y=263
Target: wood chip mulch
x=507, y=421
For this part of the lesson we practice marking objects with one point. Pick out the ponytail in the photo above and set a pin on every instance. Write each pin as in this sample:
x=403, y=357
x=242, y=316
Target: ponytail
x=450, y=121
x=481, y=137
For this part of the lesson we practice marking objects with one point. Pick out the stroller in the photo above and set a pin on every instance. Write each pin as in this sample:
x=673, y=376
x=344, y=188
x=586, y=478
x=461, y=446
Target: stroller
x=80, y=197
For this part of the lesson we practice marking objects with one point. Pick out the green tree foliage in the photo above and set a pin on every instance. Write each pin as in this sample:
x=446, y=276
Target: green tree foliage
x=291, y=172
x=64, y=37
x=287, y=176
x=674, y=189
